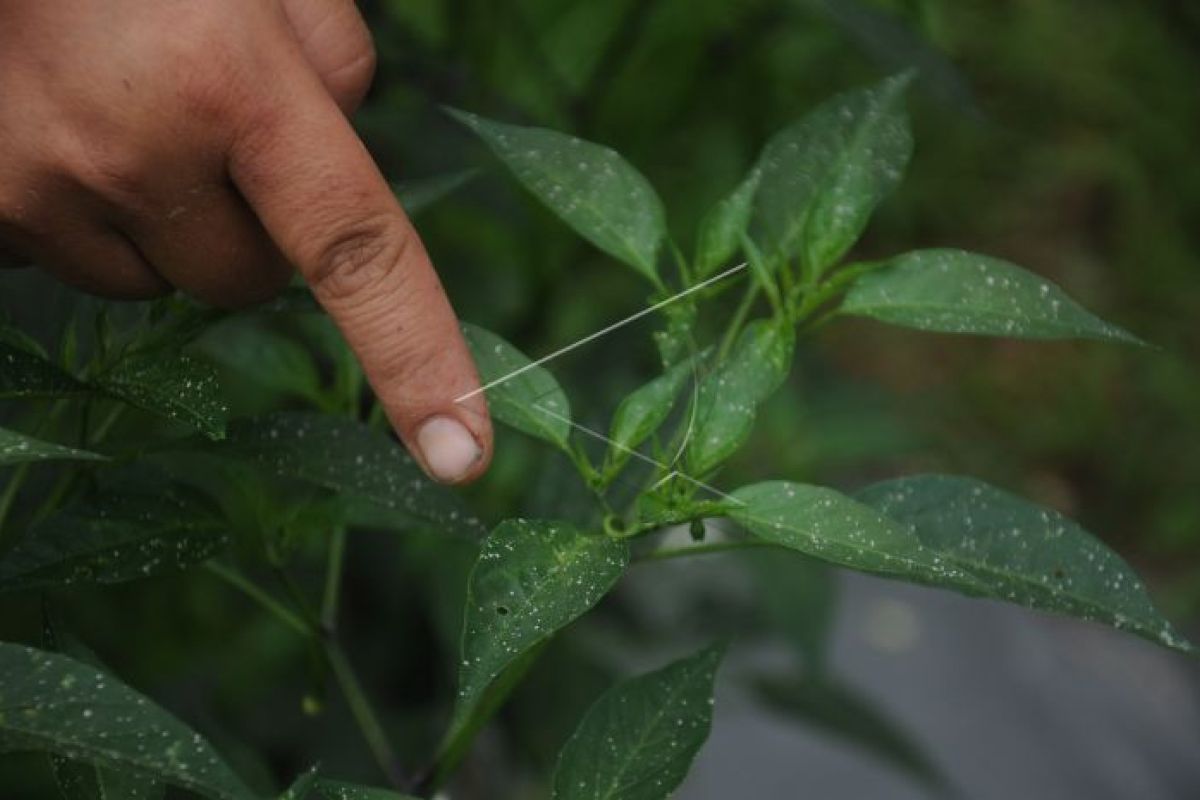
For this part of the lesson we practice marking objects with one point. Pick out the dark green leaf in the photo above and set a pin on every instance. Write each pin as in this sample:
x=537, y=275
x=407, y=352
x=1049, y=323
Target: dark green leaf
x=729, y=396
x=590, y=187
x=116, y=538
x=81, y=781
x=959, y=292
x=642, y=412
x=17, y=448
x=172, y=385
x=349, y=458
x=1021, y=553
x=825, y=524
x=54, y=704
x=638, y=741
x=417, y=195
x=264, y=356
x=722, y=228
x=823, y=176
x=797, y=597
x=531, y=400
x=531, y=579
x=27, y=374
x=835, y=709
x=339, y=790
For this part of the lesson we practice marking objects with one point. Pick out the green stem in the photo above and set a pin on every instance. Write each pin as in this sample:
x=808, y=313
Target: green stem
x=333, y=579
x=260, y=596
x=739, y=318
x=704, y=549
x=6, y=500
x=360, y=707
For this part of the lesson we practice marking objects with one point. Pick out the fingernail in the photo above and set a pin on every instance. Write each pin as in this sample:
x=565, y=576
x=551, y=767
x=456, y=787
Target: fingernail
x=447, y=448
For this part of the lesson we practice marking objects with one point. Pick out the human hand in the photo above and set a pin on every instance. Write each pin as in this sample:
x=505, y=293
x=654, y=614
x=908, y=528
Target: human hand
x=147, y=146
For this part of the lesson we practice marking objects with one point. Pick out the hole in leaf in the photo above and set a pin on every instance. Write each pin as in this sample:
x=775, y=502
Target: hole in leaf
x=502, y=610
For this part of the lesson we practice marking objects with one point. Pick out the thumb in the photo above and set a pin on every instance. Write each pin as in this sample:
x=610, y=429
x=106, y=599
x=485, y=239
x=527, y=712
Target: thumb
x=321, y=198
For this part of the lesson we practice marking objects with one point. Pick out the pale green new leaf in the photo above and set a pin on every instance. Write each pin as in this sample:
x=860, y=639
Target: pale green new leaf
x=529, y=400
x=722, y=228
x=115, y=538
x=592, y=188
x=729, y=396
x=954, y=291
x=531, y=579
x=17, y=448
x=171, y=385
x=643, y=411
x=349, y=458
x=830, y=526
x=638, y=741
x=27, y=374
x=823, y=176
x=1021, y=553
x=54, y=704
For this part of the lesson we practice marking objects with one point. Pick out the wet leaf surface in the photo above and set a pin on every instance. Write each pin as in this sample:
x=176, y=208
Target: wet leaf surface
x=953, y=291
x=54, y=704
x=171, y=385
x=531, y=578
x=823, y=176
x=729, y=396
x=349, y=458
x=115, y=538
x=639, y=739
x=1019, y=552
x=17, y=448
x=591, y=187
x=532, y=402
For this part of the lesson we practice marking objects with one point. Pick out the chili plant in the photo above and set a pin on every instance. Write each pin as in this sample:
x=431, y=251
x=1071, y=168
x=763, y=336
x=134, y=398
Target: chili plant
x=108, y=510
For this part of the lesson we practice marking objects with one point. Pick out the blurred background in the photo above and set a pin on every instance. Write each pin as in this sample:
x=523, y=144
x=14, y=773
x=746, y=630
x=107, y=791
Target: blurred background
x=1058, y=134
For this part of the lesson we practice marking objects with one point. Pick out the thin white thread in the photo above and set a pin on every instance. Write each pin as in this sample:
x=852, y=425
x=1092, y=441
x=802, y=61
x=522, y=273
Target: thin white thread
x=602, y=332
x=636, y=454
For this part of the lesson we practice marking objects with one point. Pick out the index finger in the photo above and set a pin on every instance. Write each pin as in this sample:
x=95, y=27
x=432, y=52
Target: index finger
x=321, y=198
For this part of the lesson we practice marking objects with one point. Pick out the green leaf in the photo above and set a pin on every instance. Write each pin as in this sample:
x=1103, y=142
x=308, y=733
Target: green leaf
x=590, y=187
x=418, y=195
x=830, y=526
x=531, y=579
x=954, y=291
x=530, y=400
x=729, y=396
x=1021, y=553
x=797, y=598
x=116, y=538
x=171, y=385
x=349, y=458
x=638, y=741
x=643, y=411
x=54, y=704
x=722, y=228
x=836, y=709
x=675, y=342
x=823, y=176
x=17, y=448
x=81, y=781
x=27, y=374
x=264, y=356
x=339, y=790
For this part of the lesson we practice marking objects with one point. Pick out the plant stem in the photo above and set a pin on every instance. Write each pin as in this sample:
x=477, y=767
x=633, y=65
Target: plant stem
x=260, y=596
x=360, y=707
x=704, y=549
x=6, y=499
x=739, y=317
x=333, y=579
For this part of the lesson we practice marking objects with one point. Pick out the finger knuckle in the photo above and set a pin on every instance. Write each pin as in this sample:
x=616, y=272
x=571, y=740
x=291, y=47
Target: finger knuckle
x=359, y=257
